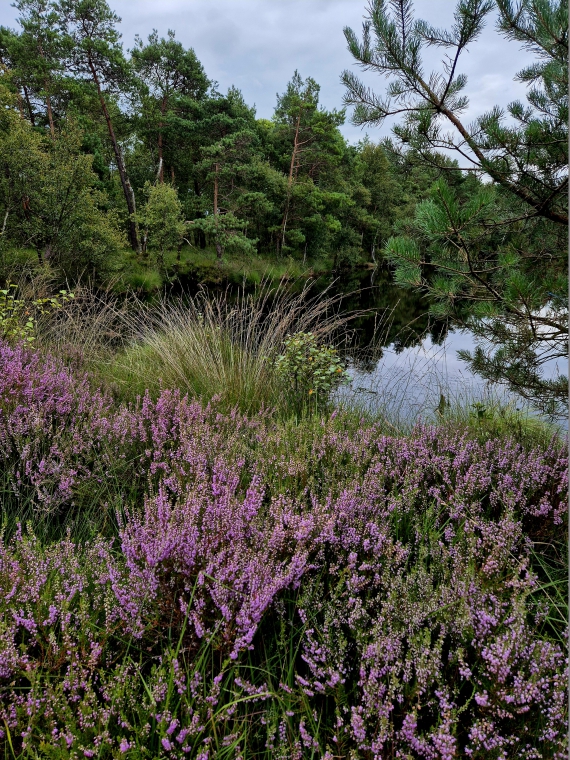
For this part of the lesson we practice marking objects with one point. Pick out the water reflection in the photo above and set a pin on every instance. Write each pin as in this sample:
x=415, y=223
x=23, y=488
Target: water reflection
x=414, y=368
x=396, y=317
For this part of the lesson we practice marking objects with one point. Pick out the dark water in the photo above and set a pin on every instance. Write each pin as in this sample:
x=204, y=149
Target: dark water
x=400, y=356
x=395, y=317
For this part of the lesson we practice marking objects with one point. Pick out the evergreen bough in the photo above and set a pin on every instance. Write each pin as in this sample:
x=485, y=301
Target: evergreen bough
x=490, y=250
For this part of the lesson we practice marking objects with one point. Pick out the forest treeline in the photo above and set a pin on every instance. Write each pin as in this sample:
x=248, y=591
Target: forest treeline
x=113, y=157
x=104, y=148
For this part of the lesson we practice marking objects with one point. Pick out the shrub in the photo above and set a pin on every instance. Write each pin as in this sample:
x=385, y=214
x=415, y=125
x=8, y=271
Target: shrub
x=308, y=371
x=18, y=317
x=277, y=593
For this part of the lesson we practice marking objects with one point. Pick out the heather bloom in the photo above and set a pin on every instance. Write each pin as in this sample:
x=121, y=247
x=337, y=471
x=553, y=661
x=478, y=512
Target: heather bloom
x=400, y=568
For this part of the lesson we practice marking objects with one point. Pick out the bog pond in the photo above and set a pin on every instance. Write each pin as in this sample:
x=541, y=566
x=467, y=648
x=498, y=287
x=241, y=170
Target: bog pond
x=402, y=359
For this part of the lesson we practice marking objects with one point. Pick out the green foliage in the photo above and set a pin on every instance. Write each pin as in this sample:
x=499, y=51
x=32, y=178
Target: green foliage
x=495, y=276
x=92, y=41
x=309, y=371
x=492, y=256
x=94, y=55
x=490, y=419
x=163, y=71
x=166, y=69
x=18, y=316
x=226, y=231
x=230, y=167
x=49, y=201
x=161, y=220
x=290, y=186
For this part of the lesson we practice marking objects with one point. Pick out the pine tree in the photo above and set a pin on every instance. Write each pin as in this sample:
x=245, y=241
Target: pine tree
x=165, y=70
x=493, y=260
x=38, y=50
x=94, y=53
x=228, y=165
x=311, y=146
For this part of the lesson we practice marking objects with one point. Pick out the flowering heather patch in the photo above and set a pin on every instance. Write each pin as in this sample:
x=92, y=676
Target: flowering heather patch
x=61, y=443
x=45, y=415
x=273, y=593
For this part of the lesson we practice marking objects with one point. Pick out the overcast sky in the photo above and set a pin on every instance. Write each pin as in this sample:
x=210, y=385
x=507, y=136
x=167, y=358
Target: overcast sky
x=257, y=44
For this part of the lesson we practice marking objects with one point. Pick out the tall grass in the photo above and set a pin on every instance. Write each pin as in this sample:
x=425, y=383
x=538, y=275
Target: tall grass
x=218, y=346
x=89, y=329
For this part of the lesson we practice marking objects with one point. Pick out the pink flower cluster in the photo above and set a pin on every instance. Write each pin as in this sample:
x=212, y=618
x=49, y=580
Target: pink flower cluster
x=406, y=561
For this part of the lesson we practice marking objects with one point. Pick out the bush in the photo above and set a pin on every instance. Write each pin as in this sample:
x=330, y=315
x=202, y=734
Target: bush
x=309, y=372
x=18, y=317
x=276, y=592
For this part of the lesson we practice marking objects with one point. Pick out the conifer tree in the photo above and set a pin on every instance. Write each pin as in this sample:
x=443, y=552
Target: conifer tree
x=165, y=70
x=94, y=53
x=312, y=141
x=38, y=50
x=496, y=259
x=228, y=164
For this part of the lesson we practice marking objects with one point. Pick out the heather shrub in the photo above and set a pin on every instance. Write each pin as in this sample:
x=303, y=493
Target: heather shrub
x=66, y=449
x=46, y=446
x=274, y=591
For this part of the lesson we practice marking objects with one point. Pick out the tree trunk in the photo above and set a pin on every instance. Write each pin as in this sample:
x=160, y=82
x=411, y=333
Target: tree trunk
x=126, y=185
x=219, y=249
x=5, y=222
x=48, y=99
x=21, y=105
x=281, y=239
x=160, y=124
x=160, y=162
x=50, y=117
x=30, y=111
x=201, y=235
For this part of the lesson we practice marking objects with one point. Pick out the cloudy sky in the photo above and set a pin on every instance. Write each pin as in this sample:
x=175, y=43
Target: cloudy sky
x=257, y=44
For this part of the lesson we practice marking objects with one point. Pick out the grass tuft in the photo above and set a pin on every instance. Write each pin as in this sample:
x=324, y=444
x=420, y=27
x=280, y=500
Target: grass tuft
x=214, y=346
